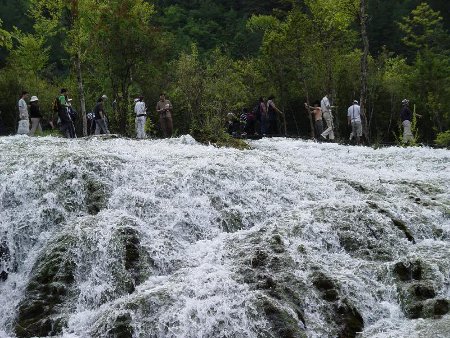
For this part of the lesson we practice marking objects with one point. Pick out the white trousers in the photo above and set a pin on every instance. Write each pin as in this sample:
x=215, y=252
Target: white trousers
x=24, y=127
x=407, y=133
x=140, y=127
x=329, y=120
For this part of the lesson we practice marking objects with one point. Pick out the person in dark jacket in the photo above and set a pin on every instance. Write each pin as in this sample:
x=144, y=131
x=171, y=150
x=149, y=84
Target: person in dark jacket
x=406, y=116
x=101, y=126
x=63, y=114
x=35, y=116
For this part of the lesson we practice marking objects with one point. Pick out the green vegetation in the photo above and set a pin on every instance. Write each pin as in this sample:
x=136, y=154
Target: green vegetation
x=213, y=57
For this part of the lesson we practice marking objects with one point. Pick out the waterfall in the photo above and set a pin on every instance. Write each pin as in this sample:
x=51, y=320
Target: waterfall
x=171, y=238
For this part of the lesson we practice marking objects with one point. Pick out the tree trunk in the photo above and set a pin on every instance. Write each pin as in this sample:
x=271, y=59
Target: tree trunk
x=81, y=92
x=311, y=124
x=364, y=67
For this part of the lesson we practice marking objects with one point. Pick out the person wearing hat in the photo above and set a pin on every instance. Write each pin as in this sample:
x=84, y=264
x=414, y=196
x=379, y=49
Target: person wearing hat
x=35, y=116
x=354, y=120
x=141, y=115
x=24, y=123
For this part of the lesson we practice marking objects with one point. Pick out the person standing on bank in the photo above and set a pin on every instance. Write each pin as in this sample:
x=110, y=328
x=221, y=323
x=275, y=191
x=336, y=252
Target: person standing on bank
x=407, y=116
x=272, y=128
x=63, y=114
x=328, y=116
x=318, y=123
x=141, y=116
x=354, y=120
x=164, y=109
x=35, y=116
x=24, y=123
x=100, y=117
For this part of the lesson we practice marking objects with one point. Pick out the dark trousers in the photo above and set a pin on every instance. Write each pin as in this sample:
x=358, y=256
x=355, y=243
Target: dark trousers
x=166, y=125
x=319, y=128
x=272, y=128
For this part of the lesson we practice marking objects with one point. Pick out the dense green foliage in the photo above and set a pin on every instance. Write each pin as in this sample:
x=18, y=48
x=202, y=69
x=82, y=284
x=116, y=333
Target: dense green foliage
x=213, y=57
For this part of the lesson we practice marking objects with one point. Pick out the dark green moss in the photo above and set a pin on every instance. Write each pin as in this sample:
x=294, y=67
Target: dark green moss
x=47, y=292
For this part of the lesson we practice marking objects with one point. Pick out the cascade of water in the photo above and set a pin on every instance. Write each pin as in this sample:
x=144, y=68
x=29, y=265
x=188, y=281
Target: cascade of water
x=172, y=238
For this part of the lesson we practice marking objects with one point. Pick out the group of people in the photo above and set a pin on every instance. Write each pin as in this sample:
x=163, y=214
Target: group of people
x=261, y=120
x=32, y=113
x=163, y=108
x=323, y=111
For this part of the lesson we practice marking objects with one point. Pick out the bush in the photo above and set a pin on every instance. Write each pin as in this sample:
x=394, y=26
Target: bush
x=443, y=139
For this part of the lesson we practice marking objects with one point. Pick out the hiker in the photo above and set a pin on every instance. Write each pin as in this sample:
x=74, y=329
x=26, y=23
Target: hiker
x=101, y=126
x=141, y=116
x=72, y=116
x=406, y=115
x=318, y=123
x=66, y=124
x=164, y=109
x=327, y=115
x=232, y=124
x=24, y=123
x=272, y=128
x=263, y=117
x=250, y=126
x=354, y=121
x=35, y=116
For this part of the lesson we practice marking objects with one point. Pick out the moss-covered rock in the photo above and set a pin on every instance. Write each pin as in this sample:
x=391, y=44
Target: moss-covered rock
x=41, y=311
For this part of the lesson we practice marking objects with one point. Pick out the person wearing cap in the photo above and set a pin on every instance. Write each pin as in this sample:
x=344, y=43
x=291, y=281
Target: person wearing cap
x=100, y=117
x=327, y=115
x=164, y=108
x=354, y=120
x=24, y=123
x=35, y=116
x=141, y=115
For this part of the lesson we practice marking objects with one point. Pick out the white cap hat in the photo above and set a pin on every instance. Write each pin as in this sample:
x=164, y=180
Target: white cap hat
x=136, y=100
x=34, y=98
x=69, y=100
x=104, y=97
x=405, y=101
x=355, y=101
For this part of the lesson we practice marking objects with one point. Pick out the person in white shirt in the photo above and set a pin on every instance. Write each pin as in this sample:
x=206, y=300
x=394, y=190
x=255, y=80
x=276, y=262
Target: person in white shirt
x=328, y=117
x=141, y=115
x=354, y=120
x=24, y=123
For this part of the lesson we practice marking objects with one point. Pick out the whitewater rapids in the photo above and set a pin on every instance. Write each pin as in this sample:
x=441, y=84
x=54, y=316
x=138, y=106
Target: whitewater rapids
x=171, y=238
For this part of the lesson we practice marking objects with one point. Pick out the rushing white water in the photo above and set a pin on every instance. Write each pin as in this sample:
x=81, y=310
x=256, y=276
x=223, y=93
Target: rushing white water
x=176, y=239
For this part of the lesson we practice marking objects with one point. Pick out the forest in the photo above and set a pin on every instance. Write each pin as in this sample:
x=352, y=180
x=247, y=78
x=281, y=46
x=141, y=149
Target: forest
x=215, y=57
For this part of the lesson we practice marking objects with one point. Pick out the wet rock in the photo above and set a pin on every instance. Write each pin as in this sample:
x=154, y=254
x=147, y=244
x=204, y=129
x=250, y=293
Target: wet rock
x=281, y=322
x=350, y=320
x=402, y=226
x=95, y=196
x=4, y=261
x=423, y=291
x=413, y=271
x=431, y=308
x=47, y=293
x=326, y=286
x=277, y=244
x=441, y=307
x=122, y=327
x=259, y=259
